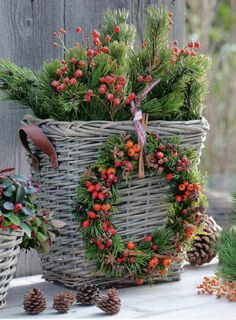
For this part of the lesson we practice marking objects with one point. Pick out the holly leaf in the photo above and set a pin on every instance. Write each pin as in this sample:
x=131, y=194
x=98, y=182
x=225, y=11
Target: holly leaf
x=27, y=211
x=20, y=194
x=26, y=229
x=57, y=223
x=8, y=205
x=14, y=219
x=52, y=236
x=45, y=247
x=41, y=237
x=7, y=193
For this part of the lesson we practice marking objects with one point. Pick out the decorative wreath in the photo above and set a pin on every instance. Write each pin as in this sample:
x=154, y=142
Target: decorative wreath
x=98, y=195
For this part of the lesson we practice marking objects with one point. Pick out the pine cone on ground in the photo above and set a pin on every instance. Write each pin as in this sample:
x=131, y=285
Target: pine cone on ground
x=63, y=300
x=203, y=248
x=110, y=302
x=88, y=294
x=34, y=301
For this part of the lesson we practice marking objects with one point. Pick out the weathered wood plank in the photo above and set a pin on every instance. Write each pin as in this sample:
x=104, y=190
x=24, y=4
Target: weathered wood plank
x=25, y=28
x=89, y=15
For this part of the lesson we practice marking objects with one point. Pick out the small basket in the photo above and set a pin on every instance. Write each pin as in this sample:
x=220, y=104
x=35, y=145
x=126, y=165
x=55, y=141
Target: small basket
x=9, y=251
x=72, y=146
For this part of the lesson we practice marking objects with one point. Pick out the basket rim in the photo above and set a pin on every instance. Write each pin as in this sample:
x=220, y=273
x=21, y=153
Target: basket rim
x=203, y=121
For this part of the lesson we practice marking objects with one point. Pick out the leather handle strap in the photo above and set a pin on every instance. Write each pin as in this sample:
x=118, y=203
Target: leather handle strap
x=41, y=141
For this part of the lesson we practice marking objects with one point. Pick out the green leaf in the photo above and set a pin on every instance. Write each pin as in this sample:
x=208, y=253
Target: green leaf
x=45, y=247
x=52, y=236
x=41, y=237
x=57, y=223
x=26, y=229
x=8, y=205
x=27, y=211
x=20, y=194
x=14, y=219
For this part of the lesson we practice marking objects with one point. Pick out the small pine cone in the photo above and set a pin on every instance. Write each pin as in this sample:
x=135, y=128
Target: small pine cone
x=110, y=302
x=34, y=301
x=88, y=294
x=203, y=248
x=63, y=301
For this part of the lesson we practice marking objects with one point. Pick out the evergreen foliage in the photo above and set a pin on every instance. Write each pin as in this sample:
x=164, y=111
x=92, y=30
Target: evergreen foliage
x=178, y=96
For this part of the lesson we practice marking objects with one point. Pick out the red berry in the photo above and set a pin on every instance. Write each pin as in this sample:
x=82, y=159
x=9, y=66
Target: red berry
x=89, y=93
x=130, y=245
x=107, y=38
x=149, y=78
x=110, y=96
x=108, y=243
x=66, y=80
x=73, y=60
x=190, y=45
x=95, y=33
x=116, y=102
x=54, y=34
x=91, y=188
x=116, y=29
x=91, y=215
x=18, y=207
x=101, y=90
x=132, y=96
x=178, y=198
x=140, y=79
x=14, y=226
x=55, y=44
x=78, y=29
x=79, y=74
x=104, y=227
x=197, y=44
x=87, y=98
x=118, y=260
x=73, y=82
x=64, y=68
x=97, y=42
x=185, y=211
x=86, y=224
x=55, y=83
x=159, y=155
x=105, y=50
x=81, y=63
x=98, y=187
x=112, y=231
x=96, y=207
x=154, y=247
x=119, y=88
x=132, y=260
x=101, y=196
x=127, y=101
x=90, y=52
x=95, y=195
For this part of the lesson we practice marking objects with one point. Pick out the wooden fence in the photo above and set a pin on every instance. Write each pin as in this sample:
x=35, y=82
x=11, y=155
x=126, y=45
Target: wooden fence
x=25, y=38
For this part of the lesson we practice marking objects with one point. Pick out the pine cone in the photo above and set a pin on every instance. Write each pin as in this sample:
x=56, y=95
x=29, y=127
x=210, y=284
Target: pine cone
x=63, y=301
x=34, y=301
x=203, y=248
x=88, y=294
x=110, y=302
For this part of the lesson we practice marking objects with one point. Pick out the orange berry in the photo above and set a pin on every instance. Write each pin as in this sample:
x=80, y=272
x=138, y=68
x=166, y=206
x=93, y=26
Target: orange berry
x=139, y=281
x=111, y=171
x=105, y=207
x=196, y=187
x=153, y=263
x=182, y=187
x=131, y=152
x=137, y=147
x=187, y=193
x=130, y=245
x=166, y=262
x=129, y=144
x=96, y=207
x=190, y=187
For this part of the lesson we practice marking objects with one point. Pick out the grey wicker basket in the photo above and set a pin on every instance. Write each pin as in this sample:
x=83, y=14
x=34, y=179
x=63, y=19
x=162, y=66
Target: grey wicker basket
x=9, y=251
x=143, y=204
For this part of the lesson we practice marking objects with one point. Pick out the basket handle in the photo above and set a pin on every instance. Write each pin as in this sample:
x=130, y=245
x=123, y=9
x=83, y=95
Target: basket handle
x=41, y=141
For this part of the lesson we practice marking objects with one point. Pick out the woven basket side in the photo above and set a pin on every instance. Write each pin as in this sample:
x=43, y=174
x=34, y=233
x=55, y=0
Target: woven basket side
x=143, y=204
x=9, y=251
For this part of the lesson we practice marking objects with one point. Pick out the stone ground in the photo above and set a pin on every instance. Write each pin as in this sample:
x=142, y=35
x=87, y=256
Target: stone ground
x=166, y=301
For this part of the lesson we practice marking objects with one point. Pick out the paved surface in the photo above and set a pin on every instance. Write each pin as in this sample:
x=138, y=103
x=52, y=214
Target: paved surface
x=169, y=301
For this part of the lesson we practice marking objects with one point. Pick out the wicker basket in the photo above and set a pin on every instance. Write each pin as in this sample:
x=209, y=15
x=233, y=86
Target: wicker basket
x=9, y=251
x=143, y=202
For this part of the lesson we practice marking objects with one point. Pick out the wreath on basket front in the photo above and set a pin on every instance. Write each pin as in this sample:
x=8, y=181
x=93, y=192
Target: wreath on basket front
x=98, y=195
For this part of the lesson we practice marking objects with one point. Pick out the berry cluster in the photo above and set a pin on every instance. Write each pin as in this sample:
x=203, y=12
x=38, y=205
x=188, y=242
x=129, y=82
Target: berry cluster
x=110, y=85
x=186, y=190
x=188, y=50
x=215, y=286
